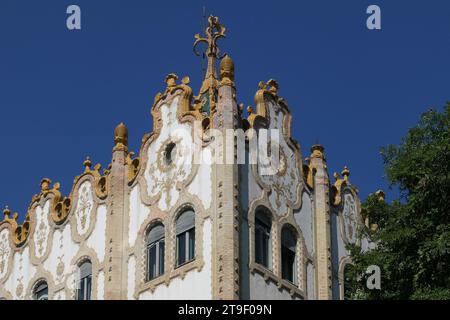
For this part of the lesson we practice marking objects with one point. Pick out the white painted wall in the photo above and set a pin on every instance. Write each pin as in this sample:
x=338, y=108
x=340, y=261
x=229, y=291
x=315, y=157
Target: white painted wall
x=138, y=213
x=96, y=240
x=261, y=289
x=305, y=220
x=201, y=186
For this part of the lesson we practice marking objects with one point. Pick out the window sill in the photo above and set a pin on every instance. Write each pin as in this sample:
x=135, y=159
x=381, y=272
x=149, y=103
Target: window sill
x=281, y=283
x=184, y=263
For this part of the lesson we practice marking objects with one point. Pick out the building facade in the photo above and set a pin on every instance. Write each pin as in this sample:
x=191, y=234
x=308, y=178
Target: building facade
x=161, y=225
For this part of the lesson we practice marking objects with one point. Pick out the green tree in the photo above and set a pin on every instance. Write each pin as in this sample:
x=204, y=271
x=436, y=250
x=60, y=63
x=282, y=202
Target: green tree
x=413, y=234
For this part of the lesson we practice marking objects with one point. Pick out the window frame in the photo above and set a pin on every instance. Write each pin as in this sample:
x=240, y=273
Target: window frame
x=188, y=236
x=286, y=253
x=263, y=237
x=84, y=283
x=158, y=244
x=38, y=289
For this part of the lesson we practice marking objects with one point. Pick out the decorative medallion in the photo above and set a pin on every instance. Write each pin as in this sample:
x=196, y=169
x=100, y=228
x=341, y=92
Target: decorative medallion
x=85, y=204
x=283, y=180
x=170, y=158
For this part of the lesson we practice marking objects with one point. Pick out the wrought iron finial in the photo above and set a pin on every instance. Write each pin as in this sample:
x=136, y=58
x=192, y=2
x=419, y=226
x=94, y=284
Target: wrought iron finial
x=214, y=32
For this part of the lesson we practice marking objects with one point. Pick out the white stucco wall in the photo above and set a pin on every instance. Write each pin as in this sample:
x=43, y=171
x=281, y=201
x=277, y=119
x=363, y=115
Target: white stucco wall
x=97, y=239
x=261, y=289
x=305, y=220
x=138, y=213
x=202, y=183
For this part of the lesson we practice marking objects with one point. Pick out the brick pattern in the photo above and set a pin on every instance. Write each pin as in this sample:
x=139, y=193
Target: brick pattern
x=115, y=242
x=322, y=226
x=226, y=235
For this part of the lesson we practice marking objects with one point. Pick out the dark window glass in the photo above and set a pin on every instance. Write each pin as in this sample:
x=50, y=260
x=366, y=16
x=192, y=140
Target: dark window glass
x=288, y=258
x=155, y=252
x=85, y=282
x=41, y=291
x=262, y=240
x=185, y=228
x=191, y=235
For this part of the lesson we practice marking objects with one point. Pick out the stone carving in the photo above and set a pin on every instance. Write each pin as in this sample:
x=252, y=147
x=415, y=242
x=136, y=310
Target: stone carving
x=349, y=216
x=169, y=158
x=60, y=267
x=42, y=231
x=85, y=204
x=285, y=181
x=19, y=288
x=5, y=252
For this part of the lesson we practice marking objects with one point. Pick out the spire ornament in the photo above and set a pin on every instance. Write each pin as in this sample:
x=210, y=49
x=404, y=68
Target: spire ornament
x=205, y=102
x=214, y=32
x=121, y=137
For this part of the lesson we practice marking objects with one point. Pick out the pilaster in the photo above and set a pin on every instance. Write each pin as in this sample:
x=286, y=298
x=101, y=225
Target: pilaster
x=115, y=270
x=322, y=223
x=226, y=216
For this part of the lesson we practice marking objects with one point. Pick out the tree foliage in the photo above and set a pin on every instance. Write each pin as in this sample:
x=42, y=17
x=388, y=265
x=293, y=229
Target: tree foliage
x=413, y=235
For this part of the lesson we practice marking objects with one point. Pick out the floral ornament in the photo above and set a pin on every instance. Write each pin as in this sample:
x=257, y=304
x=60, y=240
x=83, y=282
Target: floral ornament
x=84, y=207
x=170, y=158
x=41, y=237
x=19, y=290
x=349, y=216
x=42, y=229
x=19, y=287
x=170, y=167
x=284, y=181
x=5, y=252
x=60, y=267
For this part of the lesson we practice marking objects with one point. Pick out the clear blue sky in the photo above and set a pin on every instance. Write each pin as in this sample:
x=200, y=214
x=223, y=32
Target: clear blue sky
x=353, y=90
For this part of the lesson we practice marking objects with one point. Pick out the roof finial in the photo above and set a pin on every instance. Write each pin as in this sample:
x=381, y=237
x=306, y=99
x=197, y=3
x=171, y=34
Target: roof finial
x=214, y=31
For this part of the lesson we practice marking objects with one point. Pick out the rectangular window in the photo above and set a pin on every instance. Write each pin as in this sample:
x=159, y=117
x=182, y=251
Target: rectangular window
x=185, y=246
x=84, y=288
x=262, y=244
x=288, y=264
x=161, y=257
x=155, y=259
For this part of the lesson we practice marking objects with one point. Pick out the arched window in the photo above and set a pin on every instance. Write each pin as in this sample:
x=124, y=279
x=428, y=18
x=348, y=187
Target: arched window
x=288, y=256
x=185, y=230
x=40, y=291
x=263, y=243
x=155, y=252
x=84, y=284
